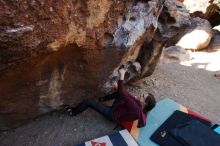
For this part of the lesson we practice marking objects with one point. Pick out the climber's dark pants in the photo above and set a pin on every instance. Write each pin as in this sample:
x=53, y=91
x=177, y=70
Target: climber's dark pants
x=104, y=110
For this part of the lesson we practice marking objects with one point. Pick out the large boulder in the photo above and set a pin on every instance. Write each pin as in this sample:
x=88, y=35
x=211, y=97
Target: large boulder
x=175, y=54
x=58, y=52
x=198, y=36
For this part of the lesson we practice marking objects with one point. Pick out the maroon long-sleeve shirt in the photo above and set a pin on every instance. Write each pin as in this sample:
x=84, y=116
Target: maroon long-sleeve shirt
x=127, y=108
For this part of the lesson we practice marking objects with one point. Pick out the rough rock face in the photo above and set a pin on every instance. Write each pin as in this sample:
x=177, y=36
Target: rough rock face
x=59, y=52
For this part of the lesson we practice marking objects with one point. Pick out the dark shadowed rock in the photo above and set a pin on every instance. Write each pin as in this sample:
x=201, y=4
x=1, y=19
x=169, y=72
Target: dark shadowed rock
x=59, y=52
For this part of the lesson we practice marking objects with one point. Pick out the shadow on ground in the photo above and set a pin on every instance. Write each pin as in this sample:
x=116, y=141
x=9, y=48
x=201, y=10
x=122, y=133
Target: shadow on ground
x=193, y=87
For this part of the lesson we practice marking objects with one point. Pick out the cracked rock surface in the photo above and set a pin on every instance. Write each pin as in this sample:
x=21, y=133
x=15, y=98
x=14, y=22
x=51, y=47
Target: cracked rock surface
x=54, y=53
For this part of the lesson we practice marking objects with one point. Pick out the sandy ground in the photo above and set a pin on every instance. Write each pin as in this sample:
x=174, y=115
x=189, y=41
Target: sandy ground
x=191, y=84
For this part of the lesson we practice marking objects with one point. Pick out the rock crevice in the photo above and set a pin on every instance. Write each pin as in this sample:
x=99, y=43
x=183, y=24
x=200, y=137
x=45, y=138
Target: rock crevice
x=60, y=52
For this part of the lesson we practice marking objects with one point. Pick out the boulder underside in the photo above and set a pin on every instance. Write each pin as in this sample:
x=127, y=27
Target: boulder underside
x=54, y=53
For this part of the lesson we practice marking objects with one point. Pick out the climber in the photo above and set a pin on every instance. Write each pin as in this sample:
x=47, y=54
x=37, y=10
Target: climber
x=124, y=108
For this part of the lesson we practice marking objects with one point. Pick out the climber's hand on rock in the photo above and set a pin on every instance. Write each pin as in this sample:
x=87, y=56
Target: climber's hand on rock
x=122, y=72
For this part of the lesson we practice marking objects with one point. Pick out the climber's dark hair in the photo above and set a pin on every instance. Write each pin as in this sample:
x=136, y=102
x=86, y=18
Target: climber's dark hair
x=150, y=103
